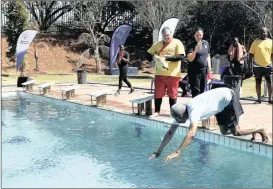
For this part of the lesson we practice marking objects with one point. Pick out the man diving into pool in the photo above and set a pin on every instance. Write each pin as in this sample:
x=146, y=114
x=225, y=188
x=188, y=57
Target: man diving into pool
x=221, y=102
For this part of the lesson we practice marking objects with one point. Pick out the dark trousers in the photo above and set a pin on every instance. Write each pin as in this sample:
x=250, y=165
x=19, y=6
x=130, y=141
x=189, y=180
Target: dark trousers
x=238, y=69
x=197, y=80
x=184, y=88
x=123, y=77
x=183, y=84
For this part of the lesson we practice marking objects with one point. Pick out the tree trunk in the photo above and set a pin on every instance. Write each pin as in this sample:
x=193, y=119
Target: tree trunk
x=97, y=58
x=155, y=34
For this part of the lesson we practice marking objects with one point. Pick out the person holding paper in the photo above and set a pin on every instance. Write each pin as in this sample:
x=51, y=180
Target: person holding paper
x=167, y=55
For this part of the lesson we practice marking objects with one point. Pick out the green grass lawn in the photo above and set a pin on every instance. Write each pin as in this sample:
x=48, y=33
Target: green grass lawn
x=248, y=85
x=138, y=82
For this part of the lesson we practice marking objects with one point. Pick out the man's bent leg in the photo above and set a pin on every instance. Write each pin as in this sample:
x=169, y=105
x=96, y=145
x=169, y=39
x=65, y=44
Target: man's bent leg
x=224, y=130
x=242, y=132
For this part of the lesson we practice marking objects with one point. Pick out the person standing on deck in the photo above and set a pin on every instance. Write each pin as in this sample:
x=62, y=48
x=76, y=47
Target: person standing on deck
x=123, y=59
x=261, y=54
x=171, y=51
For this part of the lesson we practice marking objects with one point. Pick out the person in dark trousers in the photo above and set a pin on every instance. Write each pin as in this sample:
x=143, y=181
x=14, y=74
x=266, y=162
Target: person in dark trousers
x=123, y=59
x=236, y=55
x=199, y=66
x=261, y=54
x=222, y=102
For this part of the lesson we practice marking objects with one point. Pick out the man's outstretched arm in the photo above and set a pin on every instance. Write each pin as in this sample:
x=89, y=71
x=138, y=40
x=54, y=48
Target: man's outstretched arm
x=168, y=136
x=185, y=143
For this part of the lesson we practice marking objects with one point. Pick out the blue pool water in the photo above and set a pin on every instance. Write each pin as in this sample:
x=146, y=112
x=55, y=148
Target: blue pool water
x=47, y=143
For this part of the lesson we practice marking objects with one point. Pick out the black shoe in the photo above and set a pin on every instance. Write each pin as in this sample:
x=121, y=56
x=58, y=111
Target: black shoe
x=117, y=93
x=258, y=102
x=184, y=94
x=131, y=91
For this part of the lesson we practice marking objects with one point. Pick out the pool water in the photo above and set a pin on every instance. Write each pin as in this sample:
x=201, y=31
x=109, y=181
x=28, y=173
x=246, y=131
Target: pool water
x=47, y=143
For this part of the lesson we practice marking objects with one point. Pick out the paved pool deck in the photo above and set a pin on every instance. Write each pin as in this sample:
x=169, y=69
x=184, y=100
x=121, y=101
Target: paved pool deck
x=256, y=115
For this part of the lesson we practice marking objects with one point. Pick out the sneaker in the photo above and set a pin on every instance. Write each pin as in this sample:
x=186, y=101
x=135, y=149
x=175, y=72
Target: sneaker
x=131, y=91
x=258, y=102
x=156, y=114
x=117, y=93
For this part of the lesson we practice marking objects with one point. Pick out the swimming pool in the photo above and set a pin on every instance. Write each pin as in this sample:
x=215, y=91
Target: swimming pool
x=50, y=143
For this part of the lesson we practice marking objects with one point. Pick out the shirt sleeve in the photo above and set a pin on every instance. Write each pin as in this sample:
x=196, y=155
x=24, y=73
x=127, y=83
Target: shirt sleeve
x=152, y=50
x=194, y=116
x=208, y=47
x=180, y=48
x=252, y=48
x=127, y=56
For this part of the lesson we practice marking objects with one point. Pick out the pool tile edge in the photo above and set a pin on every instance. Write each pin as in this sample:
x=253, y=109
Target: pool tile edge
x=205, y=135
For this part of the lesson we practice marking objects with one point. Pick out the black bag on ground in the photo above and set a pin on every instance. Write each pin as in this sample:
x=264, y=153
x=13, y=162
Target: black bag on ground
x=248, y=71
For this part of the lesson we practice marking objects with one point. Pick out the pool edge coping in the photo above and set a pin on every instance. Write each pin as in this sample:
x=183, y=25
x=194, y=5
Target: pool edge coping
x=208, y=136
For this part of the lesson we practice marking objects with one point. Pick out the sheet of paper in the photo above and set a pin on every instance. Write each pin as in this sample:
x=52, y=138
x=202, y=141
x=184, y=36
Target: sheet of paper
x=160, y=64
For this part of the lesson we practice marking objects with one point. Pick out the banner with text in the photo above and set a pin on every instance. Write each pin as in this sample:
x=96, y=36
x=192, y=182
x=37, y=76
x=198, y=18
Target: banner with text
x=119, y=37
x=171, y=23
x=23, y=43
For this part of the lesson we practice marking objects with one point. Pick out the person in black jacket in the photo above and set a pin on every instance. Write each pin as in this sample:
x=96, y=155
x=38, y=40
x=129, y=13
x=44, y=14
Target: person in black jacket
x=199, y=66
x=123, y=59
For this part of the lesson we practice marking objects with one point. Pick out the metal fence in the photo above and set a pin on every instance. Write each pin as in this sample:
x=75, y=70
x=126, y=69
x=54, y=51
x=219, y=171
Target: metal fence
x=68, y=18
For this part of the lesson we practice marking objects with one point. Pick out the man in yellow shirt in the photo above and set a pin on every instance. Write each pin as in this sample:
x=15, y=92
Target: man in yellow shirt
x=171, y=51
x=261, y=51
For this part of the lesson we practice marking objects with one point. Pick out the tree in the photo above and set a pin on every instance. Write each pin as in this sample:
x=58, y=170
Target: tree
x=17, y=19
x=209, y=16
x=262, y=12
x=45, y=13
x=153, y=13
x=89, y=14
x=221, y=21
x=116, y=9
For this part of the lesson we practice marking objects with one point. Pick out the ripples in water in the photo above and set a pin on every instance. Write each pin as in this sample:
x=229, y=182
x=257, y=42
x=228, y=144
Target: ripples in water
x=18, y=140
